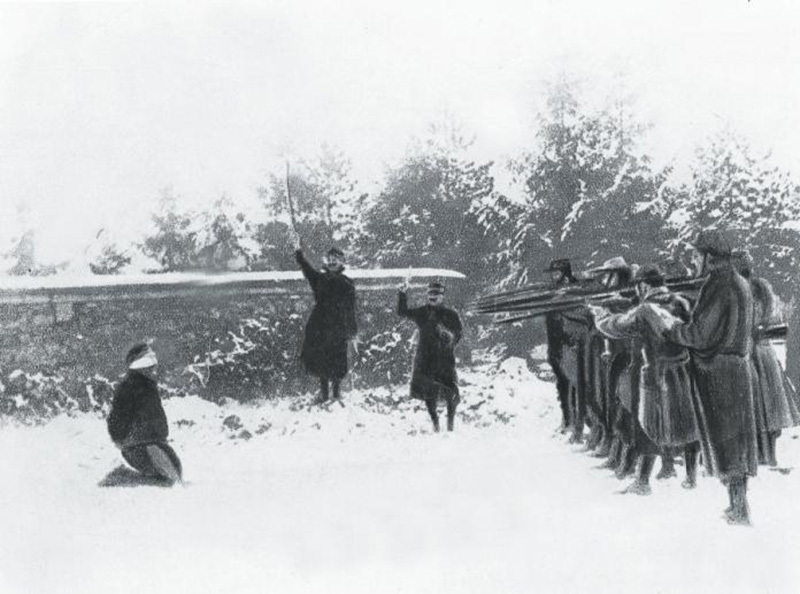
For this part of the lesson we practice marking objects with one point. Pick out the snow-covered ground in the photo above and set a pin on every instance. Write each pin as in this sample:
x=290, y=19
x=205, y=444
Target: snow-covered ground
x=288, y=497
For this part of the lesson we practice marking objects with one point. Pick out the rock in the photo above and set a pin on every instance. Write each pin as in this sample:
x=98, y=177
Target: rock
x=232, y=422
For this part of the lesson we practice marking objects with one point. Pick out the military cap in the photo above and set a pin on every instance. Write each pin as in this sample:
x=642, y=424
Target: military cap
x=435, y=288
x=651, y=275
x=712, y=241
x=560, y=265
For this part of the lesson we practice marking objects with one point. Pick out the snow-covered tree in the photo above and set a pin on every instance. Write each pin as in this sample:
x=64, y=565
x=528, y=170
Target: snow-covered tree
x=216, y=239
x=173, y=243
x=589, y=193
x=424, y=216
x=749, y=196
x=110, y=260
x=224, y=238
x=326, y=202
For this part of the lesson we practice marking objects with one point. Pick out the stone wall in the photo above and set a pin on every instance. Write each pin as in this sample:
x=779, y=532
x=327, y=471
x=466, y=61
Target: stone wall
x=232, y=340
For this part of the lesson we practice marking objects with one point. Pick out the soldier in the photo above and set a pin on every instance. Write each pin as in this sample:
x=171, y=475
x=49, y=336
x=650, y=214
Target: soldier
x=612, y=376
x=665, y=416
x=561, y=344
x=137, y=423
x=434, y=374
x=332, y=322
x=773, y=396
x=719, y=337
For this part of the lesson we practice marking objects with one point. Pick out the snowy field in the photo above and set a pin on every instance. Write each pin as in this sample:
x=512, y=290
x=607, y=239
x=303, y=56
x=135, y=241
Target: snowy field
x=287, y=497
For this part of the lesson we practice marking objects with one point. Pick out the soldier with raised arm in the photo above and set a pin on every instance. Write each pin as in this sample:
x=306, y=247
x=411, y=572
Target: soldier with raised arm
x=434, y=376
x=332, y=322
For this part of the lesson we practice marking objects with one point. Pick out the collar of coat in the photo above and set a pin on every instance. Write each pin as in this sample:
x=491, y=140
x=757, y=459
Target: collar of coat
x=718, y=265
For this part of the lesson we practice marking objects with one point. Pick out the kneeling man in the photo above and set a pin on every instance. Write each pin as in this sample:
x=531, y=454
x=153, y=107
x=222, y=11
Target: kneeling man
x=137, y=422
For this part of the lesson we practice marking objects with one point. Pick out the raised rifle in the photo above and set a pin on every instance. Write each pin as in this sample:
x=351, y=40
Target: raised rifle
x=520, y=299
x=605, y=297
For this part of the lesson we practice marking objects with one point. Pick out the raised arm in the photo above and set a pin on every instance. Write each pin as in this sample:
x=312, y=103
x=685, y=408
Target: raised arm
x=311, y=274
x=402, y=304
x=412, y=313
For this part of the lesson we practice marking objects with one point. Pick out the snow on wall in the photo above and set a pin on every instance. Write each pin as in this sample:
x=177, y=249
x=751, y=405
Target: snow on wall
x=64, y=353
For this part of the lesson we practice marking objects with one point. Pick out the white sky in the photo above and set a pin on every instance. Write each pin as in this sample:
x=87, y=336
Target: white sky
x=101, y=105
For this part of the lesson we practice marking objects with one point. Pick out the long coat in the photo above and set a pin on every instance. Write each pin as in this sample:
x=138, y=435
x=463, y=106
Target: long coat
x=137, y=416
x=666, y=391
x=332, y=321
x=719, y=336
x=576, y=341
x=775, y=400
x=559, y=342
x=434, y=363
x=611, y=369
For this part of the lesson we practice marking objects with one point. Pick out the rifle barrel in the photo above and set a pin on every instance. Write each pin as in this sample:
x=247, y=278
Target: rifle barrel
x=570, y=295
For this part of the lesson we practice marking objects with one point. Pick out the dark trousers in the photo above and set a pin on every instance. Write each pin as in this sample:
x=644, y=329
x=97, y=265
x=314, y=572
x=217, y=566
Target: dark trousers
x=155, y=460
x=563, y=388
x=334, y=384
x=451, y=399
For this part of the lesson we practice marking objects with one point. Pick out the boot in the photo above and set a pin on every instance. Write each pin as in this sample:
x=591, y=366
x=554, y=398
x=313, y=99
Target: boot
x=434, y=414
x=641, y=486
x=739, y=512
x=577, y=435
x=667, y=468
x=604, y=449
x=614, y=454
x=323, y=391
x=637, y=488
x=336, y=388
x=627, y=464
x=595, y=437
x=772, y=458
x=690, y=455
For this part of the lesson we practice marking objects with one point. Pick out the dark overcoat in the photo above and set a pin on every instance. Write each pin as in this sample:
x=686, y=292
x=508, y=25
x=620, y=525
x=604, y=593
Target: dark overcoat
x=719, y=336
x=137, y=416
x=666, y=390
x=775, y=400
x=609, y=370
x=332, y=321
x=434, y=371
x=559, y=340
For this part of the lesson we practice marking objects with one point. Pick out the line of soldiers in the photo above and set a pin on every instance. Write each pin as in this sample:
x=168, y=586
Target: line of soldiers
x=665, y=374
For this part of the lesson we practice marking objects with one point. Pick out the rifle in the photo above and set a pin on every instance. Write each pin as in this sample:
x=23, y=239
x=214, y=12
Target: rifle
x=495, y=303
x=290, y=202
x=576, y=296
x=562, y=307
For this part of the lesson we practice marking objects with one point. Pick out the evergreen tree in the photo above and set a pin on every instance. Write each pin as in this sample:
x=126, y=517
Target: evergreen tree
x=751, y=198
x=426, y=215
x=173, y=244
x=589, y=191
